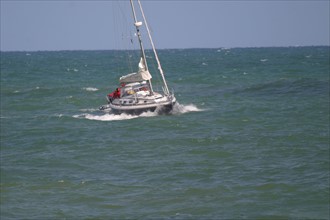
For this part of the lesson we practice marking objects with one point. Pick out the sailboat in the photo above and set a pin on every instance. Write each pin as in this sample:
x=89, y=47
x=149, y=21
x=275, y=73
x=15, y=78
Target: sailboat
x=136, y=94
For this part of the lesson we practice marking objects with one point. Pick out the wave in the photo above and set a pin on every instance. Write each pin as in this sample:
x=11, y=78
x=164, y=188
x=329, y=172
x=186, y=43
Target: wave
x=181, y=109
x=285, y=87
x=114, y=117
x=109, y=116
x=105, y=117
x=90, y=89
x=89, y=110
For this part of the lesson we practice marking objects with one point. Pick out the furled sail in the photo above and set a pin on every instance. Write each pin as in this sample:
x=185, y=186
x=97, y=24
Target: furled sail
x=141, y=75
x=135, y=77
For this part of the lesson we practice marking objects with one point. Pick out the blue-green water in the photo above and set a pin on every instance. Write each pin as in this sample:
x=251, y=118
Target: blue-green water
x=249, y=138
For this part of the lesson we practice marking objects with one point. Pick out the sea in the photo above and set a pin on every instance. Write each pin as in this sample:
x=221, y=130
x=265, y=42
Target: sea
x=247, y=139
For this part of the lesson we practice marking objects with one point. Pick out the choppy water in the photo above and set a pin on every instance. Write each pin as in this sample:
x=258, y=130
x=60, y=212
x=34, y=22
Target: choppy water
x=248, y=139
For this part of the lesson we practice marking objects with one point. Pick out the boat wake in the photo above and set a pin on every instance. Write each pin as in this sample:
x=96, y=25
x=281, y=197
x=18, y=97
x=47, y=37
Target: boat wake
x=109, y=116
x=113, y=117
x=181, y=109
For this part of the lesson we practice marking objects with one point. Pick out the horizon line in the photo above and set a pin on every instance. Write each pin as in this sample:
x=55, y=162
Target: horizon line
x=188, y=48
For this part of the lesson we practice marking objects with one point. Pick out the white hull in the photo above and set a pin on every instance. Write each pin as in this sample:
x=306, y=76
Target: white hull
x=135, y=105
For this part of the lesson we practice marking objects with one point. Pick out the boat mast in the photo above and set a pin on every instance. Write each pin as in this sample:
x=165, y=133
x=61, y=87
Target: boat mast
x=137, y=25
x=154, y=49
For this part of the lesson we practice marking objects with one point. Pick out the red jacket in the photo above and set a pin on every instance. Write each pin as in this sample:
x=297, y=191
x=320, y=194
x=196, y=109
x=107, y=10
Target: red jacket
x=116, y=94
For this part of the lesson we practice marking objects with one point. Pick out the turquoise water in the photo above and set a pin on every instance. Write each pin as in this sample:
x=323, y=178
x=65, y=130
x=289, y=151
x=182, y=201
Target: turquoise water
x=248, y=139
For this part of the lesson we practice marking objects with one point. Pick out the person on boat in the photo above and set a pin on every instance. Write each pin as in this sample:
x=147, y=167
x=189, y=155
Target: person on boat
x=114, y=95
x=110, y=97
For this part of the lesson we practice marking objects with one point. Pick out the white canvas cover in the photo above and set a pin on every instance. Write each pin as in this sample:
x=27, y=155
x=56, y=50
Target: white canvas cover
x=141, y=75
x=136, y=77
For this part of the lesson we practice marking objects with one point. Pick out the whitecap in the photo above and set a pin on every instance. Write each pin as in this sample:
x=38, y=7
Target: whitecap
x=90, y=89
x=70, y=70
x=181, y=109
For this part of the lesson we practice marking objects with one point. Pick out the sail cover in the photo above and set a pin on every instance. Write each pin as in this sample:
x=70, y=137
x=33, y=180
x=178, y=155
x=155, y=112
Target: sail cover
x=141, y=75
x=136, y=77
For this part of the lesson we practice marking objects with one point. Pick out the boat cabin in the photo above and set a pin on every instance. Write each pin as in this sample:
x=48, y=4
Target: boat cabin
x=136, y=88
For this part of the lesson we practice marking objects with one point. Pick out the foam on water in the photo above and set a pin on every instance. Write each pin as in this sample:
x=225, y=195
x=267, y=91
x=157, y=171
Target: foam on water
x=90, y=89
x=108, y=116
x=181, y=109
x=88, y=110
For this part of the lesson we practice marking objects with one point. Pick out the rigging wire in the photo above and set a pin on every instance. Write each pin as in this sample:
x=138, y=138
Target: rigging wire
x=123, y=36
x=154, y=50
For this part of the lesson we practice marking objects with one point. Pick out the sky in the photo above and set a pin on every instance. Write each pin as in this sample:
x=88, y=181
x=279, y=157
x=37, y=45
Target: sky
x=93, y=25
